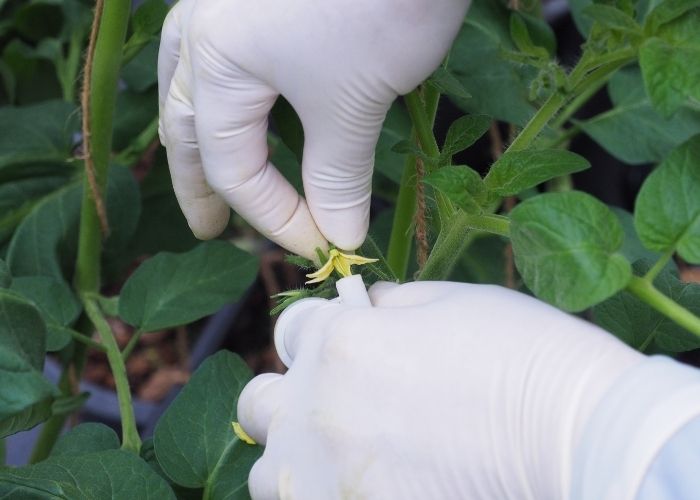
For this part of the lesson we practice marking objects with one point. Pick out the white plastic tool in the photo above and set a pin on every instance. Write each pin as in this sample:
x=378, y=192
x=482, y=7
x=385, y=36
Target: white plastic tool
x=351, y=292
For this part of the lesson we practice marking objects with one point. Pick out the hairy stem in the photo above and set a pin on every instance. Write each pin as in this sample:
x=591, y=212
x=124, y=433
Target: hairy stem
x=423, y=126
x=130, y=436
x=102, y=74
x=646, y=292
x=402, y=229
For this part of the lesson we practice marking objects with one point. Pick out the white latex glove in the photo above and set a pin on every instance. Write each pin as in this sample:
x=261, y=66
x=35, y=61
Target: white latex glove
x=340, y=63
x=439, y=391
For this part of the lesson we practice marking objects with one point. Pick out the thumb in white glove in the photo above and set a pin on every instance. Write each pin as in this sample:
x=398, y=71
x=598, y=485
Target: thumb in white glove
x=438, y=391
x=340, y=64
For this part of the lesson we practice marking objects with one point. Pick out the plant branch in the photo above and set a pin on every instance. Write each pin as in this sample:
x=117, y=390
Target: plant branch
x=651, y=275
x=646, y=292
x=132, y=344
x=130, y=436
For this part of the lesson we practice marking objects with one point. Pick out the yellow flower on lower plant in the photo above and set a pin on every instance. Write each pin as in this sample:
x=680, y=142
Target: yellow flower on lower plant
x=340, y=262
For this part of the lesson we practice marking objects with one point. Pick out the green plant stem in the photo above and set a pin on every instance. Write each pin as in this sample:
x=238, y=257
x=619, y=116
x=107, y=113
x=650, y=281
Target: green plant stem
x=141, y=143
x=455, y=241
x=84, y=339
x=646, y=292
x=651, y=275
x=402, y=229
x=538, y=122
x=423, y=125
x=442, y=252
x=132, y=343
x=130, y=436
x=103, y=94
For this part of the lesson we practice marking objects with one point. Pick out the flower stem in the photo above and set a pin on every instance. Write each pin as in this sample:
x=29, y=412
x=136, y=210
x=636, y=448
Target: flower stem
x=646, y=292
x=130, y=436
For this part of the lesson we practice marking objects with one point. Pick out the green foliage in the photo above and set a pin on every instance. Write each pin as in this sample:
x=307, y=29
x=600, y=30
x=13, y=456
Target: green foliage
x=86, y=438
x=462, y=185
x=667, y=212
x=642, y=327
x=464, y=132
x=5, y=276
x=25, y=394
x=38, y=133
x=499, y=88
x=520, y=170
x=566, y=248
x=194, y=441
x=112, y=473
x=55, y=300
x=175, y=289
x=633, y=131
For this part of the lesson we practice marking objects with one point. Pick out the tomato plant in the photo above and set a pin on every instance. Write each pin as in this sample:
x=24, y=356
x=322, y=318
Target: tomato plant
x=77, y=211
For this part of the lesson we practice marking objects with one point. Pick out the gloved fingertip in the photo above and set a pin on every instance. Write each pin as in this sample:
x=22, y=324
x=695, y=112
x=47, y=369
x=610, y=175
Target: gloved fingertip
x=207, y=218
x=257, y=404
x=345, y=229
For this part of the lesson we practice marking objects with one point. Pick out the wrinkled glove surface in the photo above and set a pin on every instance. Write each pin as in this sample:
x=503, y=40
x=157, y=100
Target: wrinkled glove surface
x=340, y=63
x=439, y=391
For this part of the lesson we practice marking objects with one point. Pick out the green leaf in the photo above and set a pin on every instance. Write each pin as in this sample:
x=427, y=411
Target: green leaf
x=667, y=11
x=462, y=185
x=288, y=126
x=44, y=244
x=519, y=170
x=41, y=132
x=642, y=327
x=133, y=113
x=113, y=474
x=667, y=211
x=501, y=88
x=671, y=74
x=612, y=18
x=26, y=395
x=148, y=453
x=520, y=35
x=67, y=405
x=194, y=441
x=632, y=247
x=409, y=147
x=175, y=289
x=5, y=276
x=464, y=132
x=397, y=126
x=55, y=300
x=149, y=17
x=140, y=72
x=446, y=83
x=86, y=438
x=566, y=248
x=159, y=204
x=633, y=131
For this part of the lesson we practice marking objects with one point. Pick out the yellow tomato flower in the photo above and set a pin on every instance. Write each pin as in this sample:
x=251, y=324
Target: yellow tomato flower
x=242, y=435
x=340, y=262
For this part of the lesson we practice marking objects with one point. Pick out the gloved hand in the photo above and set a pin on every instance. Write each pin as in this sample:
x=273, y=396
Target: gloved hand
x=340, y=64
x=439, y=391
